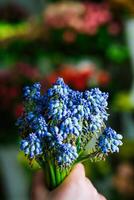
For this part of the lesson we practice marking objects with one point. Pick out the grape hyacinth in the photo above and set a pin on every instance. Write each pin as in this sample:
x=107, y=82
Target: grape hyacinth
x=109, y=141
x=57, y=127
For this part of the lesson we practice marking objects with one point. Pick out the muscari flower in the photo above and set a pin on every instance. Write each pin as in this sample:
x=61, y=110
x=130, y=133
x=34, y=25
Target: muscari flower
x=31, y=146
x=58, y=125
x=110, y=141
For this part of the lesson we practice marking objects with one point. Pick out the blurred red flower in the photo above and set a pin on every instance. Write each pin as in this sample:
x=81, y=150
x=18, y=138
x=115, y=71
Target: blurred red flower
x=79, y=76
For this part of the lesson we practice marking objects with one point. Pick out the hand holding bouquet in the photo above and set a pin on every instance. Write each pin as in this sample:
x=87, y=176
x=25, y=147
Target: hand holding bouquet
x=63, y=127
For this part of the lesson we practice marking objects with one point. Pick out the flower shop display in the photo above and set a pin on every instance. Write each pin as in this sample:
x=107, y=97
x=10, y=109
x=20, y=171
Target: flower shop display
x=62, y=127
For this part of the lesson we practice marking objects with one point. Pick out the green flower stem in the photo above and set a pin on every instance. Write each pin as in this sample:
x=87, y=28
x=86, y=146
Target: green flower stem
x=52, y=175
x=58, y=176
x=63, y=174
x=85, y=157
x=47, y=175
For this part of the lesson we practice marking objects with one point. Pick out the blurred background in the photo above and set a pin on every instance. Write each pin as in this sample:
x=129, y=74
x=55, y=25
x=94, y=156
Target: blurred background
x=89, y=44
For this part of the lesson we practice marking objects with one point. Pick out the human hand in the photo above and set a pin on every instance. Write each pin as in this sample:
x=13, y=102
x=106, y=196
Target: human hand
x=75, y=186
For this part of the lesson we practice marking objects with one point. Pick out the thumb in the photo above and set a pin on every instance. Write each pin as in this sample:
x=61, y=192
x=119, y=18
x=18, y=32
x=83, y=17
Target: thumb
x=77, y=174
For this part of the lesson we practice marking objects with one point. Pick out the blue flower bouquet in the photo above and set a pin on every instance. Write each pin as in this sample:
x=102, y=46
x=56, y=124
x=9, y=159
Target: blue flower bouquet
x=62, y=127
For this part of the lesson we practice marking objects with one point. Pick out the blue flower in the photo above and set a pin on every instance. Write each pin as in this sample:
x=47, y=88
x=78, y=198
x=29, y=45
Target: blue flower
x=31, y=146
x=110, y=141
x=57, y=109
x=32, y=93
x=67, y=154
x=59, y=89
x=97, y=102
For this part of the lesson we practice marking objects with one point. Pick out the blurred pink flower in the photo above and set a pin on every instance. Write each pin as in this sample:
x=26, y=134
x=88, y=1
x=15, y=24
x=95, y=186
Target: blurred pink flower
x=88, y=18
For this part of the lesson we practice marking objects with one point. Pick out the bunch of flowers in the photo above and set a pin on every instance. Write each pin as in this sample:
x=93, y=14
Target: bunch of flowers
x=63, y=127
x=80, y=17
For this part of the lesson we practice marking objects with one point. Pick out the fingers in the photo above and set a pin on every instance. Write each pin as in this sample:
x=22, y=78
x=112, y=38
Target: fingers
x=39, y=190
